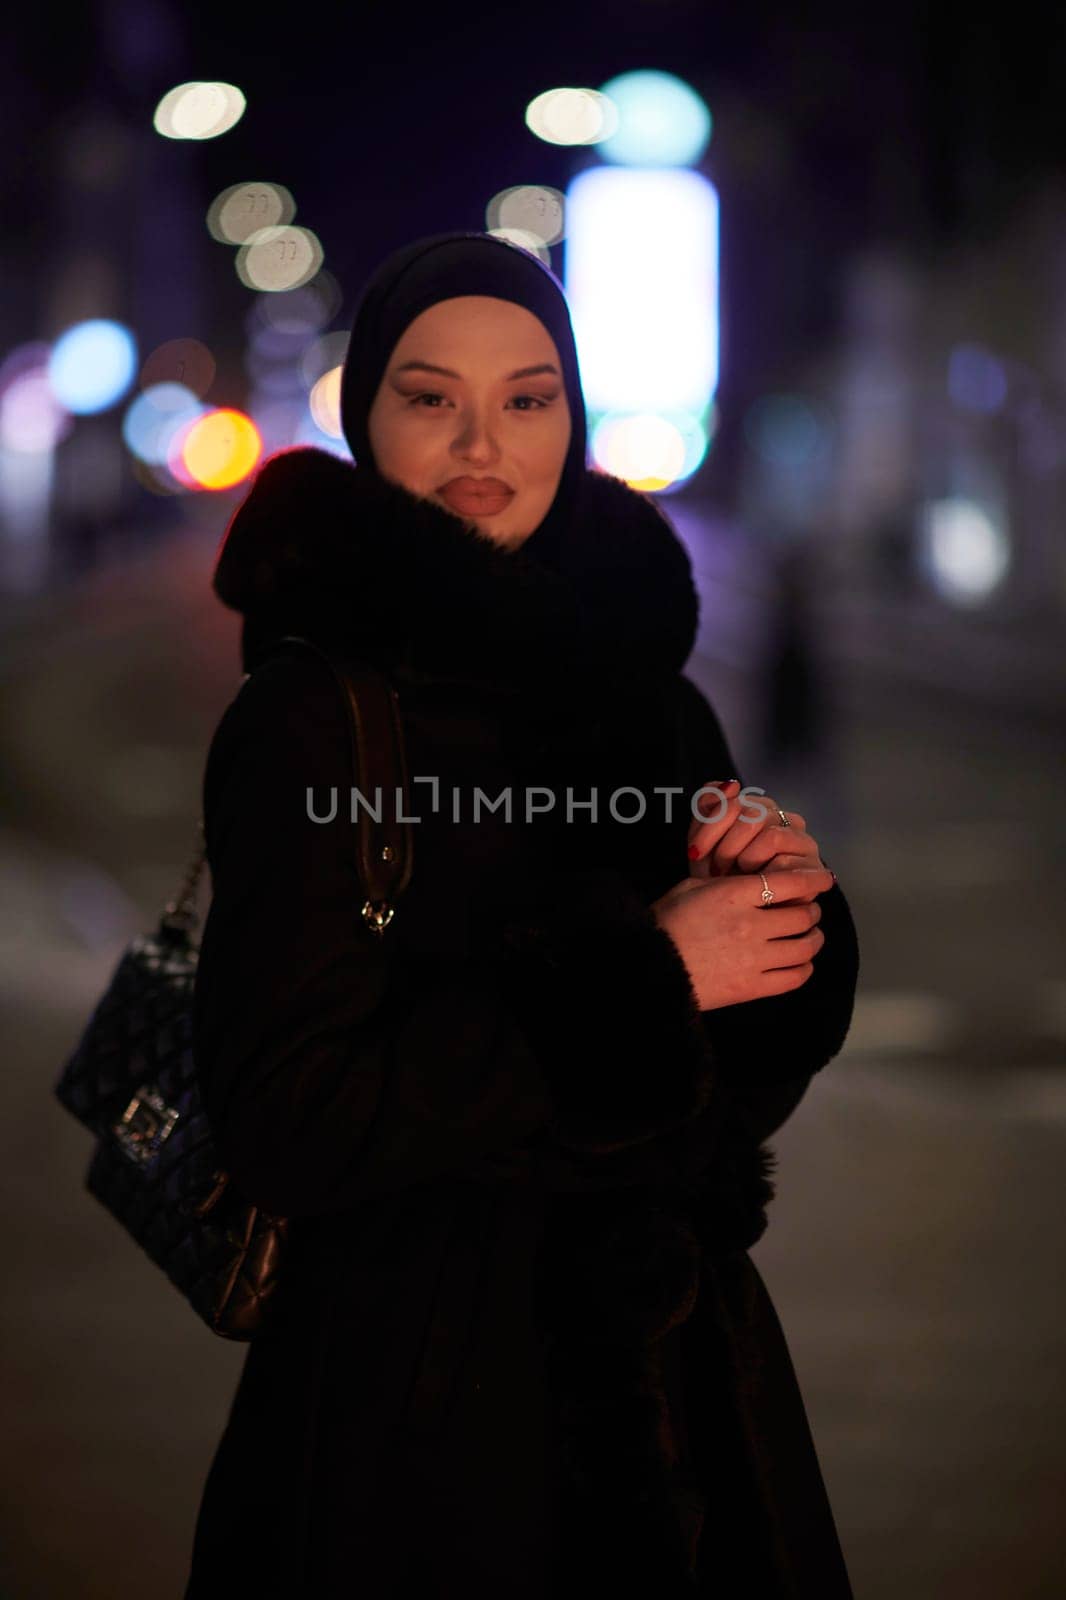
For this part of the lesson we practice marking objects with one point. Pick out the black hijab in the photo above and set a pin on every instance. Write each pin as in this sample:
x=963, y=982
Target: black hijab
x=440, y=267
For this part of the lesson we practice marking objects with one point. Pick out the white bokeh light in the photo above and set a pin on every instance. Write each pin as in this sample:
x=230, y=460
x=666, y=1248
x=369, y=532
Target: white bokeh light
x=524, y=241
x=572, y=116
x=325, y=403
x=199, y=110
x=966, y=551
x=642, y=283
x=244, y=208
x=534, y=208
x=277, y=259
x=646, y=450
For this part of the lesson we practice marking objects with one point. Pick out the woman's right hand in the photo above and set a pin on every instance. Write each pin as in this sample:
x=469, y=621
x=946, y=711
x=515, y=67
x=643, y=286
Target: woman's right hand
x=735, y=947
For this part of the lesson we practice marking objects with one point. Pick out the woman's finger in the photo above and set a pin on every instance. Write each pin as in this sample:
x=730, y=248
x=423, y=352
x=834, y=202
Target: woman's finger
x=754, y=815
x=777, y=841
x=794, y=951
x=797, y=883
x=718, y=803
x=723, y=804
x=787, y=862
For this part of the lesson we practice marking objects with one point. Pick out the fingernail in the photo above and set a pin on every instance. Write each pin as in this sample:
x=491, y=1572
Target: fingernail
x=693, y=852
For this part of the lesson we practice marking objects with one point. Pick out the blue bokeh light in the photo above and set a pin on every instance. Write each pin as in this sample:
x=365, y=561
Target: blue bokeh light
x=92, y=365
x=662, y=121
x=785, y=430
x=155, y=418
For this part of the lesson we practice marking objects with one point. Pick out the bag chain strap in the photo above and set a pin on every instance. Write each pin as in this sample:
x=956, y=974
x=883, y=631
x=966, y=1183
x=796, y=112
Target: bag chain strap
x=180, y=913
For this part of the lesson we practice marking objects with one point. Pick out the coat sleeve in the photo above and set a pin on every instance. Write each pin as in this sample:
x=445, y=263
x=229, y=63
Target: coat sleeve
x=331, y=1064
x=769, y=1049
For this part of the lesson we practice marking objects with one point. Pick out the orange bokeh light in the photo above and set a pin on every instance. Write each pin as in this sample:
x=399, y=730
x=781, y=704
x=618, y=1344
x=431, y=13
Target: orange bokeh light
x=221, y=448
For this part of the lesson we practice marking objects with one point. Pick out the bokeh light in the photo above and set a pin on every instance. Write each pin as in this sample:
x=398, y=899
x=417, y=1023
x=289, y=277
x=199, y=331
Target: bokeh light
x=329, y=351
x=220, y=448
x=184, y=361
x=198, y=110
x=305, y=310
x=154, y=419
x=531, y=207
x=31, y=418
x=524, y=240
x=785, y=430
x=244, y=208
x=277, y=344
x=276, y=259
x=274, y=375
x=976, y=380
x=647, y=451
x=325, y=403
x=92, y=365
x=642, y=284
x=572, y=116
x=31, y=356
x=966, y=552
x=662, y=121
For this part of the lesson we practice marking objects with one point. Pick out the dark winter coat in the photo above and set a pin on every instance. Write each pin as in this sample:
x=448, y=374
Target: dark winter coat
x=520, y=1348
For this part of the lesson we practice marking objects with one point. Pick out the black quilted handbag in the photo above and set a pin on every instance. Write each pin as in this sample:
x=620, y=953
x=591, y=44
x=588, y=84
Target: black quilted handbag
x=132, y=1079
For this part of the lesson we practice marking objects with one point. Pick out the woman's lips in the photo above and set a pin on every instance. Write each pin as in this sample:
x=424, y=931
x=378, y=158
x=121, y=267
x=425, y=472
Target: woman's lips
x=476, y=498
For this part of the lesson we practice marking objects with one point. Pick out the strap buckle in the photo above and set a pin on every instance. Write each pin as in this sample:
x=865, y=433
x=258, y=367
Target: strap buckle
x=144, y=1125
x=377, y=916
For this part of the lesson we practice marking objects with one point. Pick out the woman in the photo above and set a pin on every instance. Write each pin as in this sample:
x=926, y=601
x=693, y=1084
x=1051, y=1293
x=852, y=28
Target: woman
x=520, y=1349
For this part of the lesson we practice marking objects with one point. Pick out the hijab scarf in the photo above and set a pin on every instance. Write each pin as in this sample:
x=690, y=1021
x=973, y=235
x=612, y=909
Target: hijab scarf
x=441, y=267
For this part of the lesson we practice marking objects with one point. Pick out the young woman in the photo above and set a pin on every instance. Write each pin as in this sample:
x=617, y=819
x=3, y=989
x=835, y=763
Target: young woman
x=520, y=1347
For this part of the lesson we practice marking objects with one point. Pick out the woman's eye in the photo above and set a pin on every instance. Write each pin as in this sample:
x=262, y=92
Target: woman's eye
x=415, y=398
x=538, y=403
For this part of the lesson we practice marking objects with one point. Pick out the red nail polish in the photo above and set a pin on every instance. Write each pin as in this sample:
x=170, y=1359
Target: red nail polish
x=693, y=852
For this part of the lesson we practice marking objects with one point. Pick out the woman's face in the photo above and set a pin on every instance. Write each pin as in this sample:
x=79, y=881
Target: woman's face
x=474, y=391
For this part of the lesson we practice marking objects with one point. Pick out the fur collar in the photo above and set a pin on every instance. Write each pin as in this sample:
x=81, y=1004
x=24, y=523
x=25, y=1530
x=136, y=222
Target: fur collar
x=353, y=561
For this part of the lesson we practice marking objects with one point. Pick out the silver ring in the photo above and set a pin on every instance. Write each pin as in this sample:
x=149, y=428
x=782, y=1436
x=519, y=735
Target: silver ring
x=767, y=892
x=784, y=820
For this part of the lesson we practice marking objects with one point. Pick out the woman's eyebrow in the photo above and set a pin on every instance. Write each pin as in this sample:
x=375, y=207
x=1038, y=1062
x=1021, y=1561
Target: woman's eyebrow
x=446, y=372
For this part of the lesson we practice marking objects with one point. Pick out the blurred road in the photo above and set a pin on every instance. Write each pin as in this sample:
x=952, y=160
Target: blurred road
x=912, y=1246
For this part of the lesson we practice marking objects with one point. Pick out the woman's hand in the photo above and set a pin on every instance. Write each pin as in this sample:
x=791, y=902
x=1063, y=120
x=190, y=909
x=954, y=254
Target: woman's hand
x=735, y=947
x=736, y=838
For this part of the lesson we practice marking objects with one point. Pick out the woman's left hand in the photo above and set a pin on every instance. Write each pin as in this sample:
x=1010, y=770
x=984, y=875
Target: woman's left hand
x=741, y=841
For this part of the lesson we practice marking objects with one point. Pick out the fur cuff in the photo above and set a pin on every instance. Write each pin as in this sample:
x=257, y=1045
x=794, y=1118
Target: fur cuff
x=604, y=995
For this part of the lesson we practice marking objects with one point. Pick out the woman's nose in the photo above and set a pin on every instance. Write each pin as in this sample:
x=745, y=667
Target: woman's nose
x=475, y=437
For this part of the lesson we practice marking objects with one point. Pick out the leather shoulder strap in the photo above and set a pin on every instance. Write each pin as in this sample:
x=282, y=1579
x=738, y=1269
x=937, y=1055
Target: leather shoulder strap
x=384, y=840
